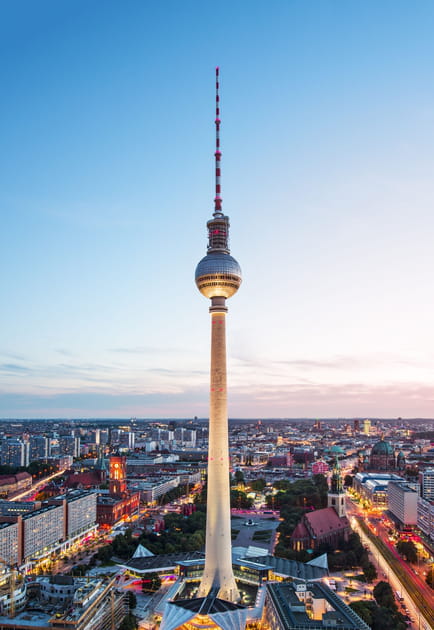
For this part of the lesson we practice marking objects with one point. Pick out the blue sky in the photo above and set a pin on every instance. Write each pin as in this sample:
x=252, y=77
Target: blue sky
x=107, y=130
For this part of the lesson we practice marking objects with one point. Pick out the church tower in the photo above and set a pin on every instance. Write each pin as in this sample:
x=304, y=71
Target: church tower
x=336, y=494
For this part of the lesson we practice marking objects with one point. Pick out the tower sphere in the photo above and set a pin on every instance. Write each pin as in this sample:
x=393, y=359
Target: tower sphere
x=218, y=275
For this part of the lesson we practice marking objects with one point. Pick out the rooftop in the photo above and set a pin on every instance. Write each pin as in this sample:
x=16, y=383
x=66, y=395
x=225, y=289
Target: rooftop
x=292, y=612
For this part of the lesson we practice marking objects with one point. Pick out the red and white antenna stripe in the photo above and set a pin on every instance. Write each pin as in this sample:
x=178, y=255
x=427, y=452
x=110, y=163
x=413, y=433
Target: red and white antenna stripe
x=218, y=199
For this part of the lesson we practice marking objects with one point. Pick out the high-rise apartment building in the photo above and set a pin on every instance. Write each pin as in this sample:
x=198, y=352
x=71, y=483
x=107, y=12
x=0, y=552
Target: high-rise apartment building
x=67, y=445
x=402, y=502
x=39, y=447
x=36, y=533
x=9, y=542
x=127, y=440
x=185, y=437
x=426, y=484
x=14, y=452
x=42, y=529
x=425, y=517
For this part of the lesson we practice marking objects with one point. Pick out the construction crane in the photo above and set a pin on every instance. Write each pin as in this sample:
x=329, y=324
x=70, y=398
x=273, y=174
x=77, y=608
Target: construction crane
x=112, y=610
x=10, y=588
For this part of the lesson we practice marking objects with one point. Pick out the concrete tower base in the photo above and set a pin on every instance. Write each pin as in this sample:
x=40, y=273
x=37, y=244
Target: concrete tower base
x=218, y=547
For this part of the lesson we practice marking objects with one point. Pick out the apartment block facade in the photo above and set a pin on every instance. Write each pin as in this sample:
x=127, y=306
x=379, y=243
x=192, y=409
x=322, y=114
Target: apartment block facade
x=26, y=538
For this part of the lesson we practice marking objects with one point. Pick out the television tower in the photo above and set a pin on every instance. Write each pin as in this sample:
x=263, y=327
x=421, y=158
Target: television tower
x=218, y=277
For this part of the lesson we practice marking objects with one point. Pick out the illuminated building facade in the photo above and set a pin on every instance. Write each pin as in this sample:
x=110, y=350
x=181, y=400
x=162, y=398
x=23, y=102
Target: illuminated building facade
x=118, y=474
x=121, y=502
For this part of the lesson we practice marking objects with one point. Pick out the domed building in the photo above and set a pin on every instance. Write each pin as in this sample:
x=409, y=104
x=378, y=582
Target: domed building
x=382, y=456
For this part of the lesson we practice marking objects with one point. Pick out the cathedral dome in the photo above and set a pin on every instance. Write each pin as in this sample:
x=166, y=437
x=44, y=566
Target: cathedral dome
x=382, y=448
x=337, y=450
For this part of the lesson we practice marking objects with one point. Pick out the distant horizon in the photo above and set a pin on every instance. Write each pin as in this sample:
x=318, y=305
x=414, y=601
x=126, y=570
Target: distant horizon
x=231, y=419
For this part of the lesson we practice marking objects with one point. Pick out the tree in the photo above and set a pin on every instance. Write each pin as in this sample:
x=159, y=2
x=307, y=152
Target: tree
x=123, y=545
x=282, y=484
x=132, y=600
x=321, y=483
x=348, y=481
x=407, y=548
x=129, y=622
x=151, y=582
x=196, y=541
x=257, y=485
x=42, y=495
x=430, y=577
x=40, y=469
x=239, y=500
x=104, y=553
x=385, y=618
x=239, y=477
x=363, y=609
x=370, y=572
x=383, y=595
x=378, y=617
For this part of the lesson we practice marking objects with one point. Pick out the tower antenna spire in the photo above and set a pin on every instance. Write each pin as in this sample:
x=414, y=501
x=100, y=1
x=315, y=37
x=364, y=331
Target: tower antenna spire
x=218, y=155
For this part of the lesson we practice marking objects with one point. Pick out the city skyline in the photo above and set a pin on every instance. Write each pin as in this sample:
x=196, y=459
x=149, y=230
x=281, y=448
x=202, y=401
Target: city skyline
x=108, y=172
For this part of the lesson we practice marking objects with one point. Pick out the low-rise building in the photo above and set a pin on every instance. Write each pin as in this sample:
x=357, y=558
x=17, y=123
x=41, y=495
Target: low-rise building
x=15, y=508
x=68, y=604
x=373, y=486
x=12, y=484
x=96, y=605
x=111, y=509
x=57, y=589
x=151, y=489
x=308, y=605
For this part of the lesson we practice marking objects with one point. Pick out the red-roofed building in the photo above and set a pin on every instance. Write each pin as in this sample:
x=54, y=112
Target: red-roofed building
x=11, y=484
x=320, y=526
x=320, y=467
x=89, y=479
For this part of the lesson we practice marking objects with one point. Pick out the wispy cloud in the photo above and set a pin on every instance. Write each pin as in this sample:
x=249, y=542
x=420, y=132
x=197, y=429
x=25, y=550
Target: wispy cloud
x=339, y=362
x=10, y=355
x=144, y=350
x=295, y=399
x=13, y=367
x=64, y=352
x=334, y=363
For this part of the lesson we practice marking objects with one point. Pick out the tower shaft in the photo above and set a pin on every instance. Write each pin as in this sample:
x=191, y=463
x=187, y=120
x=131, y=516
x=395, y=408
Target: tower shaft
x=218, y=547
